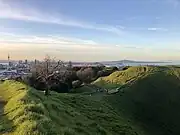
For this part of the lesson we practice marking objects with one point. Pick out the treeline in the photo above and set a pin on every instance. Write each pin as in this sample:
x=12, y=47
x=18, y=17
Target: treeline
x=57, y=76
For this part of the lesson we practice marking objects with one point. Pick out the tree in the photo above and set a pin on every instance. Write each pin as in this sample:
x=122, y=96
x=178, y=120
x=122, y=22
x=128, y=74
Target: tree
x=86, y=75
x=46, y=70
x=70, y=66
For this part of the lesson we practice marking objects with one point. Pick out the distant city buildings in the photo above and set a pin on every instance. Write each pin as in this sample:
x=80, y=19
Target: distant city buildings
x=12, y=70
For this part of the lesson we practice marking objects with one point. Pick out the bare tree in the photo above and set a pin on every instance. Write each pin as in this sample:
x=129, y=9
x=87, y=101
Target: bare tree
x=46, y=70
x=69, y=66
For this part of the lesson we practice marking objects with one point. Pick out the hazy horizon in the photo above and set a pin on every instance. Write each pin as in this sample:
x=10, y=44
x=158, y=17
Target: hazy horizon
x=104, y=61
x=90, y=31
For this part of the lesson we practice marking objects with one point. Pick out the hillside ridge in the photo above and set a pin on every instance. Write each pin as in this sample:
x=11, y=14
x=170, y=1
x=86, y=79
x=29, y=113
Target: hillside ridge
x=148, y=105
x=30, y=112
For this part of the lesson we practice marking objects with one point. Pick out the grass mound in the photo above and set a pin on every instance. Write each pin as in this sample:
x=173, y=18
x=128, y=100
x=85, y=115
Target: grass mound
x=28, y=112
x=152, y=101
x=148, y=105
x=120, y=78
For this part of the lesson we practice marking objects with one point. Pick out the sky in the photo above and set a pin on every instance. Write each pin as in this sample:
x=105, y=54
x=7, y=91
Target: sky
x=90, y=30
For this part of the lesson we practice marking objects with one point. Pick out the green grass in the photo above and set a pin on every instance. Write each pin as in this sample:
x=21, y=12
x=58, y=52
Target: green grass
x=120, y=78
x=83, y=89
x=151, y=101
x=148, y=105
x=29, y=112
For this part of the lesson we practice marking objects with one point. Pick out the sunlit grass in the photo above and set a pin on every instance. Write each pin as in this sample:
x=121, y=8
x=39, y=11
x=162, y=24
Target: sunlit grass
x=29, y=112
x=148, y=105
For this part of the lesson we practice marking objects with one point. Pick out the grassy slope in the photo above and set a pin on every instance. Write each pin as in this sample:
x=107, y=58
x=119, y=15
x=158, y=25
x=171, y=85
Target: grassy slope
x=119, y=78
x=29, y=112
x=83, y=89
x=148, y=106
x=151, y=101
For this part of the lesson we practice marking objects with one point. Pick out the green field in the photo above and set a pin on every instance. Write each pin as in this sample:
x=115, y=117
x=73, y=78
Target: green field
x=150, y=99
x=29, y=112
x=149, y=105
x=119, y=78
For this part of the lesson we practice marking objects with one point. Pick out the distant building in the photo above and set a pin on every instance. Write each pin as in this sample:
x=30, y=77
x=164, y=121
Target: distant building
x=20, y=62
x=1, y=66
x=8, y=58
x=12, y=74
x=26, y=62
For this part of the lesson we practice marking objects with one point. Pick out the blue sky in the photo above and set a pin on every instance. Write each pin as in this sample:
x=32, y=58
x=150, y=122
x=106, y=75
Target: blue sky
x=90, y=30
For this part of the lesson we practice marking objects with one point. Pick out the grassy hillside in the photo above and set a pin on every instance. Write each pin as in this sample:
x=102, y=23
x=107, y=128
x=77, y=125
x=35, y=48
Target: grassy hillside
x=28, y=112
x=151, y=100
x=149, y=105
x=120, y=78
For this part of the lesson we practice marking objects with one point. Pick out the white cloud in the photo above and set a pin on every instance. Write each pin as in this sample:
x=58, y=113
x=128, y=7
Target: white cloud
x=67, y=48
x=46, y=41
x=157, y=29
x=158, y=18
x=25, y=14
x=56, y=41
x=68, y=52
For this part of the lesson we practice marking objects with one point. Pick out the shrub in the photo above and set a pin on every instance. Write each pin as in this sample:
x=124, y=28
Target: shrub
x=76, y=84
x=86, y=75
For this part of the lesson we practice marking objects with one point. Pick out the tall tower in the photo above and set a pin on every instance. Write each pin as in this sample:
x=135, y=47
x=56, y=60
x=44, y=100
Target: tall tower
x=8, y=57
x=9, y=62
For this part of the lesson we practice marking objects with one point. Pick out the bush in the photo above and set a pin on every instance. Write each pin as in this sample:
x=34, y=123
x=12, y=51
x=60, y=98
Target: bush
x=86, y=75
x=76, y=68
x=54, y=84
x=126, y=67
x=76, y=84
x=60, y=87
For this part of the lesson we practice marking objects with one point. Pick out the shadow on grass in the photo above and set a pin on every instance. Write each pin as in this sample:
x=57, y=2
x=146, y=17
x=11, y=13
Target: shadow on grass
x=6, y=126
x=153, y=102
x=60, y=114
x=78, y=115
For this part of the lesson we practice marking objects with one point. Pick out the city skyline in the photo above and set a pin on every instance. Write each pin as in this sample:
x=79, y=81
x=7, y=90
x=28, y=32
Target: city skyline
x=90, y=30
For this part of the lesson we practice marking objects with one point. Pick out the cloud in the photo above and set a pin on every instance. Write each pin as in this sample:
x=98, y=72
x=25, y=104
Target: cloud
x=158, y=18
x=24, y=14
x=42, y=40
x=65, y=48
x=56, y=41
x=75, y=49
x=157, y=29
x=14, y=42
x=59, y=42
